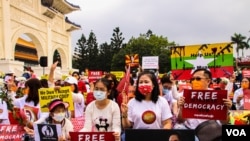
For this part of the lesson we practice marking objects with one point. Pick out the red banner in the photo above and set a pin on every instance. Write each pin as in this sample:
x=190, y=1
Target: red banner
x=92, y=136
x=94, y=75
x=11, y=132
x=204, y=104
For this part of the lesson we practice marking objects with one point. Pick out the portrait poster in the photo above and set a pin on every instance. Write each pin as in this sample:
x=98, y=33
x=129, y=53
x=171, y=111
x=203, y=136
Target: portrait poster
x=47, y=132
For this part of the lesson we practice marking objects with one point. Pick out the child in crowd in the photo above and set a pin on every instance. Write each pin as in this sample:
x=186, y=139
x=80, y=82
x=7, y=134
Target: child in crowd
x=102, y=114
x=57, y=115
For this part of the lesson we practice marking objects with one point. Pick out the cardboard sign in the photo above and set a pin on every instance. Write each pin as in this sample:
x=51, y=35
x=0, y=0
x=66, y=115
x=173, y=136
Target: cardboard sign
x=47, y=94
x=94, y=75
x=92, y=136
x=246, y=99
x=11, y=132
x=47, y=132
x=204, y=104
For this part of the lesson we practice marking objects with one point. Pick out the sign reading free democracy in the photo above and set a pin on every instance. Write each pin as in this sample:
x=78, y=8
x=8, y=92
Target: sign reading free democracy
x=205, y=104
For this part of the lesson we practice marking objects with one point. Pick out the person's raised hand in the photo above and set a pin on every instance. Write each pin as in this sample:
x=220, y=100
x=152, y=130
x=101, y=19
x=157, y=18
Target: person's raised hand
x=53, y=66
x=181, y=101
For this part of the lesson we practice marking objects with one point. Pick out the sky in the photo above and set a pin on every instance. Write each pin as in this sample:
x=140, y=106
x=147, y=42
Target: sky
x=186, y=22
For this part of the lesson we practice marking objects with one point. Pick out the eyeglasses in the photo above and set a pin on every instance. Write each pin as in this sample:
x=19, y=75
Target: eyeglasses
x=196, y=78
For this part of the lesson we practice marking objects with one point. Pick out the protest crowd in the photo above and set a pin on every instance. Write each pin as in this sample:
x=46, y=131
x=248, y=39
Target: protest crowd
x=144, y=100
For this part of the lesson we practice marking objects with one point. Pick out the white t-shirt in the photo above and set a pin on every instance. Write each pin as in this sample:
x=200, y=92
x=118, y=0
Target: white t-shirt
x=4, y=115
x=68, y=127
x=148, y=109
x=239, y=106
x=79, y=104
x=102, y=120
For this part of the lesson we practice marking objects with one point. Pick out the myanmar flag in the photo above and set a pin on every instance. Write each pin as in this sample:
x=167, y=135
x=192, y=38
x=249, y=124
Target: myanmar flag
x=217, y=57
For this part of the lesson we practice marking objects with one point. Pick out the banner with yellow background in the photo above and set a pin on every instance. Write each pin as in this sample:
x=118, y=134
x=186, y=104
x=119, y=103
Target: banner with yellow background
x=216, y=57
x=47, y=94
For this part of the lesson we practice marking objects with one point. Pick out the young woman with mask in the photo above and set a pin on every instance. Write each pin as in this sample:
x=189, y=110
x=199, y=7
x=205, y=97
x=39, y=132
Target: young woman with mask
x=57, y=115
x=148, y=110
x=239, y=93
x=102, y=114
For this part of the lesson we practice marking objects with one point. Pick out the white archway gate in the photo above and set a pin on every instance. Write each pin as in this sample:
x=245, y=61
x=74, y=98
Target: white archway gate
x=44, y=24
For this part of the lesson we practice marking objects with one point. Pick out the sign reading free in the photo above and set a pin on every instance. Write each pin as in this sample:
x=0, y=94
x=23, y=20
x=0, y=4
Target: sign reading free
x=92, y=136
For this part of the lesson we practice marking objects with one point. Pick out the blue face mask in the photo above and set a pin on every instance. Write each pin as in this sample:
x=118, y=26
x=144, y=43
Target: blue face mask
x=99, y=95
x=165, y=91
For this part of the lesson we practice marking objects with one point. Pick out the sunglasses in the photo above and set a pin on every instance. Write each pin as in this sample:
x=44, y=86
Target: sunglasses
x=196, y=78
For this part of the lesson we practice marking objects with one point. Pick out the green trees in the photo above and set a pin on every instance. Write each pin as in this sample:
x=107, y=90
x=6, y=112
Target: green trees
x=147, y=44
x=238, y=39
x=88, y=54
x=111, y=57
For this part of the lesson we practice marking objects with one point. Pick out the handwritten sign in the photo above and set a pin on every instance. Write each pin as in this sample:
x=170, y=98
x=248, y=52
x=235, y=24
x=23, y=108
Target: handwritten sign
x=92, y=136
x=204, y=104
x=47, y=94
x=11, y=132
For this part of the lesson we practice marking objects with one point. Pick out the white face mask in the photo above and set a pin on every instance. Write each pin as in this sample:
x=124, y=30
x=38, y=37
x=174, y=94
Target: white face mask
x=59, y=117
x=99, y=95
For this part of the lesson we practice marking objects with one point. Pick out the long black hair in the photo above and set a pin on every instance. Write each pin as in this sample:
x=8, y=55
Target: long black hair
x=34, y=85
x=155, y=92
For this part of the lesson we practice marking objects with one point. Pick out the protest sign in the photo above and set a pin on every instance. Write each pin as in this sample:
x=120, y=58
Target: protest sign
x=11, y=132
x=94, y=75
x=150, y=62
x=47, y=132
x=132, y=60
x=92, y=136
x=204, y=104
x=216, y=57
x=47, y=94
